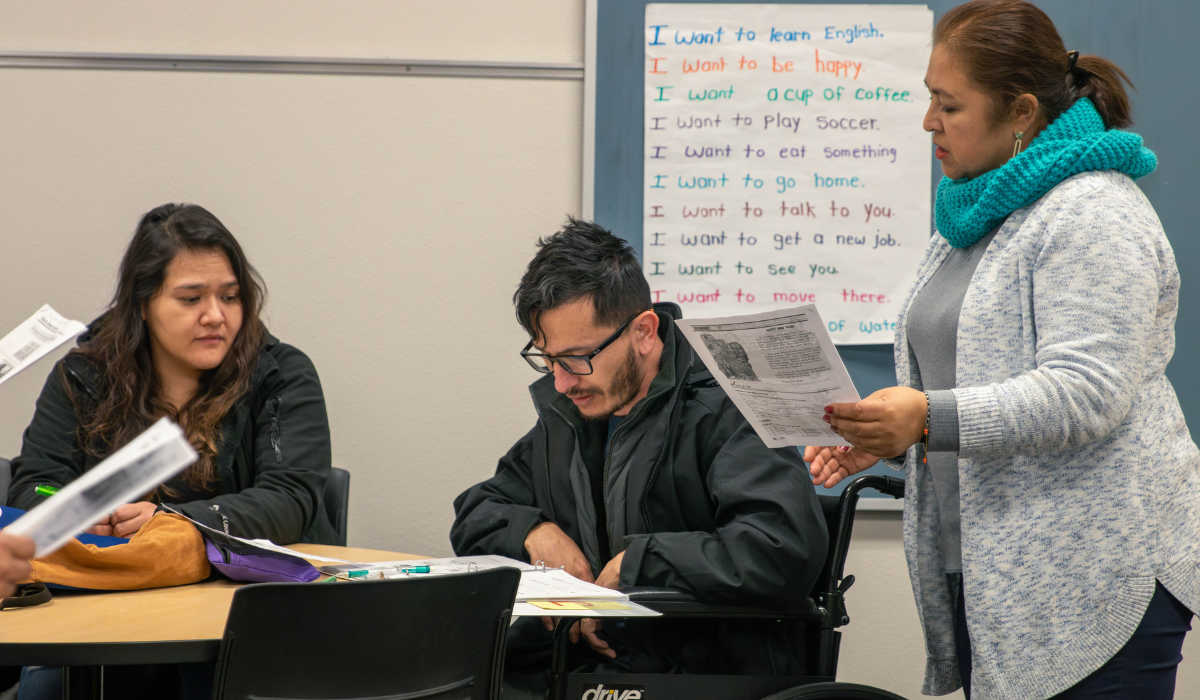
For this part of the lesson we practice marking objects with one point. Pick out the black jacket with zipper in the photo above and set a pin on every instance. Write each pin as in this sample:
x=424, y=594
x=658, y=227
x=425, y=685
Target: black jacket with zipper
x=273, y=462
x=691, y=495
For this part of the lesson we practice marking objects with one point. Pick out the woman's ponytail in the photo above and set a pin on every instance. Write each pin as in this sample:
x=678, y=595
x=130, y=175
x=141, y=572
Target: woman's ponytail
x=1100, y=79
x=1010, y=48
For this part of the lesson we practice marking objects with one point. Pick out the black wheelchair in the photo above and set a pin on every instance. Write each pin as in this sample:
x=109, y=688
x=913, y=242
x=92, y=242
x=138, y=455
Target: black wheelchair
x=823, y=612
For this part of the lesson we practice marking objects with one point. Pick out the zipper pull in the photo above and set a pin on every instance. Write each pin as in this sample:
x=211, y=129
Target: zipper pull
x=217, y=508
x=273, y=410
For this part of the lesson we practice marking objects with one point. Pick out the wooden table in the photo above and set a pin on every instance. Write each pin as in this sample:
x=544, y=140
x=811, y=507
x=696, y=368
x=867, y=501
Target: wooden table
x=84, y=631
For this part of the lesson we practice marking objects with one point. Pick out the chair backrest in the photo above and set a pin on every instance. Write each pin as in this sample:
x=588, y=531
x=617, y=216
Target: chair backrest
x=337, y=502
x=5, y=480
x=428, y=637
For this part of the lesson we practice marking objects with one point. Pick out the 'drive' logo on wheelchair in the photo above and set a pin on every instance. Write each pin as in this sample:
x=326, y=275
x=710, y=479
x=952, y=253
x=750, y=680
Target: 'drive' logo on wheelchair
x=614, y=692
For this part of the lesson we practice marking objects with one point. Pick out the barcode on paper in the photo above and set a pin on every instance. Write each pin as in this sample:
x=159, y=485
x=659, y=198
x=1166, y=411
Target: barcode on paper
x=26, y=351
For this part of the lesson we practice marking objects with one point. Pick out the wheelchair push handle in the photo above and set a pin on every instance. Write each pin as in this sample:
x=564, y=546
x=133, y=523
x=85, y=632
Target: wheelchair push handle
x=887, y=485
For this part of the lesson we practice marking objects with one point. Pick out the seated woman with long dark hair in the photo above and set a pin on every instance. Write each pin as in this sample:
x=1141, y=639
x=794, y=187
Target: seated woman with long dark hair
x=183, y=339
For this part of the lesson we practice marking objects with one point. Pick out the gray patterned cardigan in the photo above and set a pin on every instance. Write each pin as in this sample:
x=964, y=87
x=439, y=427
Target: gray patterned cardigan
x=1080, y=484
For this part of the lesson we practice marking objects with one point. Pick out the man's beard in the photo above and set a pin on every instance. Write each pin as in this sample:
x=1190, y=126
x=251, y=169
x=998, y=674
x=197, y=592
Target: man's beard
x=626, y=382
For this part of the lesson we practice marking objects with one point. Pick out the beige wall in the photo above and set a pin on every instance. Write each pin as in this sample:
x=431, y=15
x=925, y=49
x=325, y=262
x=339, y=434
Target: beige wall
x=390, y=216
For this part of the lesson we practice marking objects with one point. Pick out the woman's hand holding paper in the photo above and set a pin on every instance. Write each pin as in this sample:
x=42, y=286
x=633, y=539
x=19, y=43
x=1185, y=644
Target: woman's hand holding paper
x=884, y=424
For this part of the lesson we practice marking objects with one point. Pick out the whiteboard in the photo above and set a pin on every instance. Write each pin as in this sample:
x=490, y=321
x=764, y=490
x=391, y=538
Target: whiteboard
x=1135, y=34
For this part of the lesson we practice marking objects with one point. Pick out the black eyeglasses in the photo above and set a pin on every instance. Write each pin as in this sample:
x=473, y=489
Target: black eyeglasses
x=575, y=364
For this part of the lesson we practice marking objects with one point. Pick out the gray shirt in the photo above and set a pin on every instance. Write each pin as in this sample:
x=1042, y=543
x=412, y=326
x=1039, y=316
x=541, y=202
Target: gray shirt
x=933, y=337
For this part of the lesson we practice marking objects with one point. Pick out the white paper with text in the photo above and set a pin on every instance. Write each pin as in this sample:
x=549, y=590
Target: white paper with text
x=34, y=339
x=785, y=162
x=151, y=458
x=780, y=368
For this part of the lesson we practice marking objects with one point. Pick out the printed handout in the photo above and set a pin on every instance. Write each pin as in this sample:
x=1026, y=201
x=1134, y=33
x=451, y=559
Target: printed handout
x=151, y=458
x=34, y=339
x=780, y=368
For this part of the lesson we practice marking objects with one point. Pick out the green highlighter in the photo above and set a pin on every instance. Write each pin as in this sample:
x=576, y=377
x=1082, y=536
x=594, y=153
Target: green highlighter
x=45, y=490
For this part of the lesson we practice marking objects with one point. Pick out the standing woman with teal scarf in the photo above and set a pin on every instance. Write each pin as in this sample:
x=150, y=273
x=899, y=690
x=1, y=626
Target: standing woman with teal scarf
x=1052, y=510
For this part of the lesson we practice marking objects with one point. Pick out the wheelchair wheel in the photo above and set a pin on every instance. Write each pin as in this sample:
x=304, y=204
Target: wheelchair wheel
x=833, y=691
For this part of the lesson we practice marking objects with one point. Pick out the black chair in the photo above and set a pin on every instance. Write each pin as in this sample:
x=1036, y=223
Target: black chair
x=5, y=480
x=433, y=638
x=9, y=675
x=823, y=611
x=337, y=502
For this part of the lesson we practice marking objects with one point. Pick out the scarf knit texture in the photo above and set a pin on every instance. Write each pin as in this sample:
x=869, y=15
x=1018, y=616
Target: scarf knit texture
x=1076, y=142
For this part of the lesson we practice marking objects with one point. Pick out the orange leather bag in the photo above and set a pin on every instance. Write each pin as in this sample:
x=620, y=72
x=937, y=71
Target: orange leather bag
x=167, y=551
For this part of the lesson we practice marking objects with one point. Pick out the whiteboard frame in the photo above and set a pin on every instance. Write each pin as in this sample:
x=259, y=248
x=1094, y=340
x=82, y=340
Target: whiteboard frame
x=215, y=63
x=591, y=11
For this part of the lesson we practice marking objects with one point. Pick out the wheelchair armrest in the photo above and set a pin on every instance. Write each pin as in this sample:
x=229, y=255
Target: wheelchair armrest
x=643, y=595
x=673, y=602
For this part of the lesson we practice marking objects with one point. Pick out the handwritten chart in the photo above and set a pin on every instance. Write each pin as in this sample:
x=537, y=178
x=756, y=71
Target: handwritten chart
x=785, y=159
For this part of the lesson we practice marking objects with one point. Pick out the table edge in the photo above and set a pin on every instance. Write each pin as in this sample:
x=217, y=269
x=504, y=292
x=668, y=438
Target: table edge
x=109, y=653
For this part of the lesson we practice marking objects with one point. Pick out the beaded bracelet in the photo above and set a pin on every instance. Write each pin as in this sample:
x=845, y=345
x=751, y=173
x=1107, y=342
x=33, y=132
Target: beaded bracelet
x=925, y=439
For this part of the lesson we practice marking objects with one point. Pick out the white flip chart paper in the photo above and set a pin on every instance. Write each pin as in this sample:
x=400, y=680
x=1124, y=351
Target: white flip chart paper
x=785, y=162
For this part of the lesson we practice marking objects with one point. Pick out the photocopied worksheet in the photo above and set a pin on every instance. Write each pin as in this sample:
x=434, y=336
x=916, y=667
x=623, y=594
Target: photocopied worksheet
x=34, y=339
x=780, y=368
x=159, y=453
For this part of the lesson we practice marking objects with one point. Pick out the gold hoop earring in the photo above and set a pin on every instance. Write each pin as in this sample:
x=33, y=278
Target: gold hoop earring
x=1017, y=145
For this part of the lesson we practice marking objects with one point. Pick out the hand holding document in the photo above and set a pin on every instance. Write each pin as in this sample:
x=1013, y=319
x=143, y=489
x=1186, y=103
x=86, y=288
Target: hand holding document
x=780, y=368
x=148, y=460
x=34, y=339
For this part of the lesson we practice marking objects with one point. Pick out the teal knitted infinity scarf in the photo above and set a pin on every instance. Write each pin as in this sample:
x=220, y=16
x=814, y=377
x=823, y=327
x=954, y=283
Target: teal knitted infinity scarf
x=1074, y=143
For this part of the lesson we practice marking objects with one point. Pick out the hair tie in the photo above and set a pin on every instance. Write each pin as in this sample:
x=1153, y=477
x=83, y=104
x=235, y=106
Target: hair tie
x=1072, y=57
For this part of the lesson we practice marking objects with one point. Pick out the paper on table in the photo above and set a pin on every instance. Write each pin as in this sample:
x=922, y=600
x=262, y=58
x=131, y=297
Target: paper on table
x=556, y=584
x=579, y=604
x=780, y=368
x=34, y=339
x=581, y=609
x=151, y=458
x=550, y=589
x=537, y=583
x=262, y=544
x=271, y=546
x=452, y=565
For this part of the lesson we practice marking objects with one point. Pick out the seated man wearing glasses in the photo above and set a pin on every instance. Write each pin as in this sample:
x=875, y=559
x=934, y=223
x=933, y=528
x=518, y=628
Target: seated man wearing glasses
x=641, y=472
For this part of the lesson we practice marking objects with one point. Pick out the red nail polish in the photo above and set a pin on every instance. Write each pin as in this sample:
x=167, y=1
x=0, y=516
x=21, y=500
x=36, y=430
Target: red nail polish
x=829, y=409
x=825, y=418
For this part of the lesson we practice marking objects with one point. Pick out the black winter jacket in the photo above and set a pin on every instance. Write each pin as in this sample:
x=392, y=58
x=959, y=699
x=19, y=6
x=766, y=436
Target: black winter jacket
x=692, y=496
x=272, y=465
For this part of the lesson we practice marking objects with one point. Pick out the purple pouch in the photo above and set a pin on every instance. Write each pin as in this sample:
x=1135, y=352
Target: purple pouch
x=254, y=565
